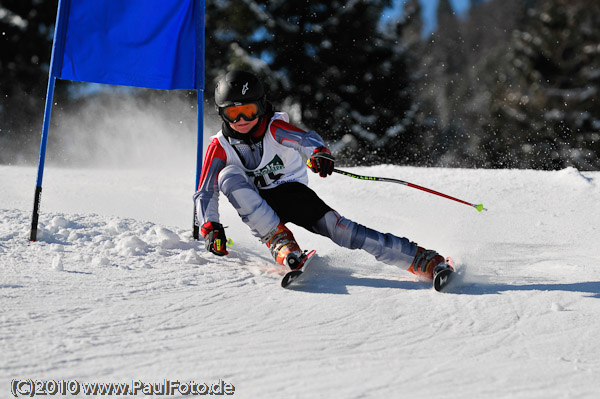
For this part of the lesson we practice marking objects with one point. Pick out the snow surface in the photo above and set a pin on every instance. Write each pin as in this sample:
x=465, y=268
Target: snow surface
x=116, y=290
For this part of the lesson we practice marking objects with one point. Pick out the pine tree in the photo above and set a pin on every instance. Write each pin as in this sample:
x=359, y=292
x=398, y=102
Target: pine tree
x=441, y=90
x=335, y=69
x=26, y=30
x=545, y=107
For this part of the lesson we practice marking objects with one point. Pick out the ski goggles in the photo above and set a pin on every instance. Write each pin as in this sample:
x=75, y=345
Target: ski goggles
x=234, y=113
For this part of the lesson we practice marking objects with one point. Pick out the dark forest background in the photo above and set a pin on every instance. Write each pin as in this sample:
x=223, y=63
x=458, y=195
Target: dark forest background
x=511, y=84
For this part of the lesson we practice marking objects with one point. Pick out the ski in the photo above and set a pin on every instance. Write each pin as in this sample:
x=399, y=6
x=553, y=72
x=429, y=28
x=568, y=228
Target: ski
x=443, y=275
x=295, y=274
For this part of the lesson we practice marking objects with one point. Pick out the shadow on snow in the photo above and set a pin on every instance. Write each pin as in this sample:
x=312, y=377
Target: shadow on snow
x=323, y=279
x=588, y=287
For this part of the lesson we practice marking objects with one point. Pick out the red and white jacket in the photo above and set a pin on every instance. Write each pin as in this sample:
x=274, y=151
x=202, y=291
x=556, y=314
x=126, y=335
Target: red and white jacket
x=279, y=157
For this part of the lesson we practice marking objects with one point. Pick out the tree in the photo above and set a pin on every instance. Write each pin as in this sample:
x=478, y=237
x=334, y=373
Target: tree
x=332, y=65
x=545, y=111
x=442, y=67
x=458, y=64
x=26, y=30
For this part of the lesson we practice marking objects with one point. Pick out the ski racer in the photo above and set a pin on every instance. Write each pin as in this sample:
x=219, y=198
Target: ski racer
x=257, y=161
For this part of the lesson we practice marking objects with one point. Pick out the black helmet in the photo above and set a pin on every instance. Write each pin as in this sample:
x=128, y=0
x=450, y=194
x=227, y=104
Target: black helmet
x=239, y=87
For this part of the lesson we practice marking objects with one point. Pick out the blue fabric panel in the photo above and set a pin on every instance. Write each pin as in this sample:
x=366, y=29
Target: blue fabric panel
x=144, y=43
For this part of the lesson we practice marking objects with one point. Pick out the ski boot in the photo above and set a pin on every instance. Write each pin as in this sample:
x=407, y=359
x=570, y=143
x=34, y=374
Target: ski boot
x=284, y=248
x=426, y=263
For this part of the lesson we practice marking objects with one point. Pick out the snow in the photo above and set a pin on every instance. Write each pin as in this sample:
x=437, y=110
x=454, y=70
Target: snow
x=116, y=289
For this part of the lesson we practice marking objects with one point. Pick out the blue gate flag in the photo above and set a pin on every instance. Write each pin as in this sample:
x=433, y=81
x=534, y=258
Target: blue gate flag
x=157, y=44
x=145, y=43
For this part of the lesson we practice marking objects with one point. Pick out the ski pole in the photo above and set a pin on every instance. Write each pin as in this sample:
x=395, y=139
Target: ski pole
x=479, y=207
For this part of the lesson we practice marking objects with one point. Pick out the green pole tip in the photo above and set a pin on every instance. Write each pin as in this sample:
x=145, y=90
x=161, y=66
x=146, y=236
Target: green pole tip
x=480, y=208
x=229, y=242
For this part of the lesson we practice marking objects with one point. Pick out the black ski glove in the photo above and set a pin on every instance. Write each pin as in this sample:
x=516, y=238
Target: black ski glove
x=214, y=238
x=321, y=161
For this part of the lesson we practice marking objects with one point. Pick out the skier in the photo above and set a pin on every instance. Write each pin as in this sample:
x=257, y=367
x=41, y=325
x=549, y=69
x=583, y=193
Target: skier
x=256, y=161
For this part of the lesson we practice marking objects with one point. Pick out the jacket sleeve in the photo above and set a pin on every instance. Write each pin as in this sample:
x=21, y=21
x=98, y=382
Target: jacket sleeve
x=207, y=196
x=291, y=136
